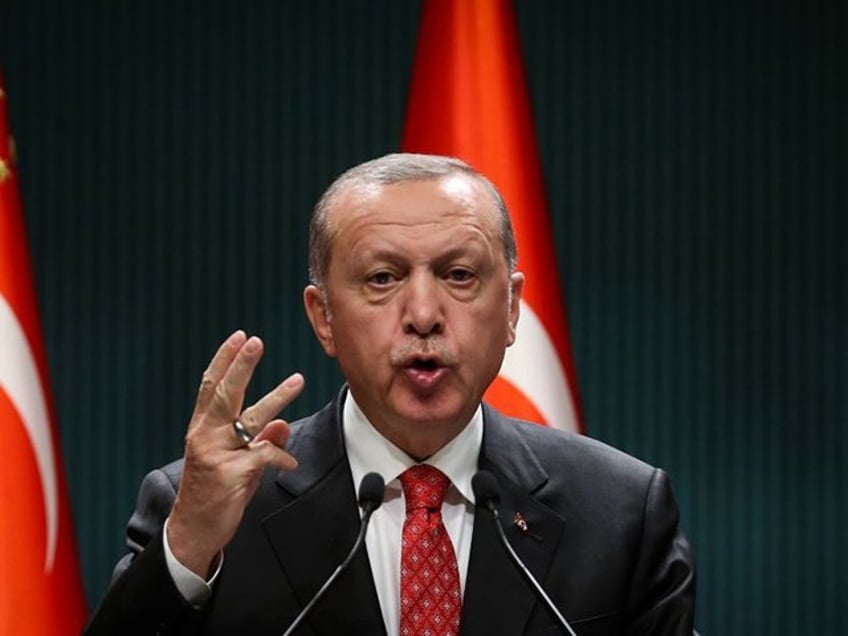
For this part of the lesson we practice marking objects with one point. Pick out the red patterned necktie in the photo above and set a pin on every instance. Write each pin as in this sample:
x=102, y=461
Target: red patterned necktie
x=430, y=598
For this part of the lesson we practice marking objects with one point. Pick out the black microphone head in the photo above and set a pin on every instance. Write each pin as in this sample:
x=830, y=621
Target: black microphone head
x=371, y=490
x=487, y=493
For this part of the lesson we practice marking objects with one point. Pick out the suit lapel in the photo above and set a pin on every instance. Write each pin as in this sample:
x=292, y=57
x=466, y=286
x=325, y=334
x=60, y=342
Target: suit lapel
x=313, y=533
x=497, y=599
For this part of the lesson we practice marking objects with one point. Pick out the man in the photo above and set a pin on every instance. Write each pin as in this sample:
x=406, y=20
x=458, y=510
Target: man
x=415, y=292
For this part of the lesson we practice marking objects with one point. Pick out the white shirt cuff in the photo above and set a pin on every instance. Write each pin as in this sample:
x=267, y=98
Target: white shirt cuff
x=194, y=589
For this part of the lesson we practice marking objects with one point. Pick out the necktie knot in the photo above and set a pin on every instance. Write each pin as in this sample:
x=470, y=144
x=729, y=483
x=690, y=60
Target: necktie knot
x=424, y=487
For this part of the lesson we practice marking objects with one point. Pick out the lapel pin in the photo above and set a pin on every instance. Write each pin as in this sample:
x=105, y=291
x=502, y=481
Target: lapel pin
x=519, y=522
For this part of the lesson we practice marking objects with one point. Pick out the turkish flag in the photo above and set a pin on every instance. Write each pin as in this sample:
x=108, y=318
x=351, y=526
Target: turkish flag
x=40, y=587
x=469, y=100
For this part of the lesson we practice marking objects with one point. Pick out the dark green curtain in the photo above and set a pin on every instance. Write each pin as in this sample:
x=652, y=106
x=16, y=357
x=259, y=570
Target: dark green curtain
x=695, y=159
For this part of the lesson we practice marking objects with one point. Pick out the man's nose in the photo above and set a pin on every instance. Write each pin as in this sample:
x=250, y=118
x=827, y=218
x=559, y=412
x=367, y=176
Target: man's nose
x=423, y=312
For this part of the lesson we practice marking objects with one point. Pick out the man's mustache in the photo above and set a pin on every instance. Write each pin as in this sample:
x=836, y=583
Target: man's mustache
x=434, y=349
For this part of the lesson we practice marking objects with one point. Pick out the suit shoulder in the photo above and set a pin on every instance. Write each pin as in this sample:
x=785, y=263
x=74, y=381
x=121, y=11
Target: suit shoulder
x=161, y=484
x=174, y=471
x=575, y=454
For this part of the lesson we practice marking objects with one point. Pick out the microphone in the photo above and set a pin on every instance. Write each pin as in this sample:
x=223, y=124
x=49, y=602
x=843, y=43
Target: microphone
x=371, y=490
x=487, y=496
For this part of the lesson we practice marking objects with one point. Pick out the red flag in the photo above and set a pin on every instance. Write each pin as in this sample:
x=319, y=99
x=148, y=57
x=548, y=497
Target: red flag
x=469, y=100
x=40, y=587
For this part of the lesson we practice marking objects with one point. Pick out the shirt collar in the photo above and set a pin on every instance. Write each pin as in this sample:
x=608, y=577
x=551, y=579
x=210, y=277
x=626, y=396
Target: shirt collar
x=368, y=451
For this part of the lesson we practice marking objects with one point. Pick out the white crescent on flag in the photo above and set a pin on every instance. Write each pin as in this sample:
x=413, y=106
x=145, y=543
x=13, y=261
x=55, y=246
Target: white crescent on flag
x=20, y=380
x=532, y=366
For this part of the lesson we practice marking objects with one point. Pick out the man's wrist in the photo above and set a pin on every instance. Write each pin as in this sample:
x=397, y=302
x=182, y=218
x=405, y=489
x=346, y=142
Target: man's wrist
x=194, y=589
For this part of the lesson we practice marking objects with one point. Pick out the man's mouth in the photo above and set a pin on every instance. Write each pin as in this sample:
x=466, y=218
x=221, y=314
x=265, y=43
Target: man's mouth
x=424, y=372
x=424, y=364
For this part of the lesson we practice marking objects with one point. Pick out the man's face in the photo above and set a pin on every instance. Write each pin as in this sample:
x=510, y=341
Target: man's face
x=419, y=310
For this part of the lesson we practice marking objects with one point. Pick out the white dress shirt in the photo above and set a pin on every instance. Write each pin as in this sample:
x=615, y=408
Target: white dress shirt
x=368, y=451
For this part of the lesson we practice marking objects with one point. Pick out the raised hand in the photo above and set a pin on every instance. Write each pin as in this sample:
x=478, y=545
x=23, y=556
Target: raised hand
x=222, y=471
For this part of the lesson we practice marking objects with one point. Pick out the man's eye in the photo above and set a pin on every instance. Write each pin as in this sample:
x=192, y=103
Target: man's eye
x=460, y=275
x=381, y=278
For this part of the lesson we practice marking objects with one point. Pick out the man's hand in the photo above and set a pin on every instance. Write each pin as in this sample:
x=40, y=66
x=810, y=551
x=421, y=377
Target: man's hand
x=222, y=472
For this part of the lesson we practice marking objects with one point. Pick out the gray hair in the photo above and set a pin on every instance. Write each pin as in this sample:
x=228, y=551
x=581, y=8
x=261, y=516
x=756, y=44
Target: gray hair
x=395, y=168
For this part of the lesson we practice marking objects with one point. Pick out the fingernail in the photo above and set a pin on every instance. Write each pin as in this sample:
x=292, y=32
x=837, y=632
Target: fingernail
x=293, y=381
x=252, y=345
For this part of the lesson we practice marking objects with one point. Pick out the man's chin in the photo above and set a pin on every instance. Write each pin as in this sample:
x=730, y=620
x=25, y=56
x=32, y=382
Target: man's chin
x=431, y=411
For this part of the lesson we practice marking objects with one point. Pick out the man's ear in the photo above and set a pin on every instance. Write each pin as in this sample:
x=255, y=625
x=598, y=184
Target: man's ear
x=315, y=303
x=516, y=287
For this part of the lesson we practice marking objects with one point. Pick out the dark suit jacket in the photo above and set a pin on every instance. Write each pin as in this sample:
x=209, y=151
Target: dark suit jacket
x=601, y=537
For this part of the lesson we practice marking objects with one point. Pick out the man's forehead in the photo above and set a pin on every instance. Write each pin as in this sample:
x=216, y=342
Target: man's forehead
x=455, y=191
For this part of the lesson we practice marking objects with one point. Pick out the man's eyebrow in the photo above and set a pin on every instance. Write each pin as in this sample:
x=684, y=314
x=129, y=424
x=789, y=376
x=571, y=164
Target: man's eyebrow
x=377, y=253
x=473, y=246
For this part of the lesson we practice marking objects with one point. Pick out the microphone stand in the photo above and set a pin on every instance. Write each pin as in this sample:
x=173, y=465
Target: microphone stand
x=370, y=498
x=486, y=493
